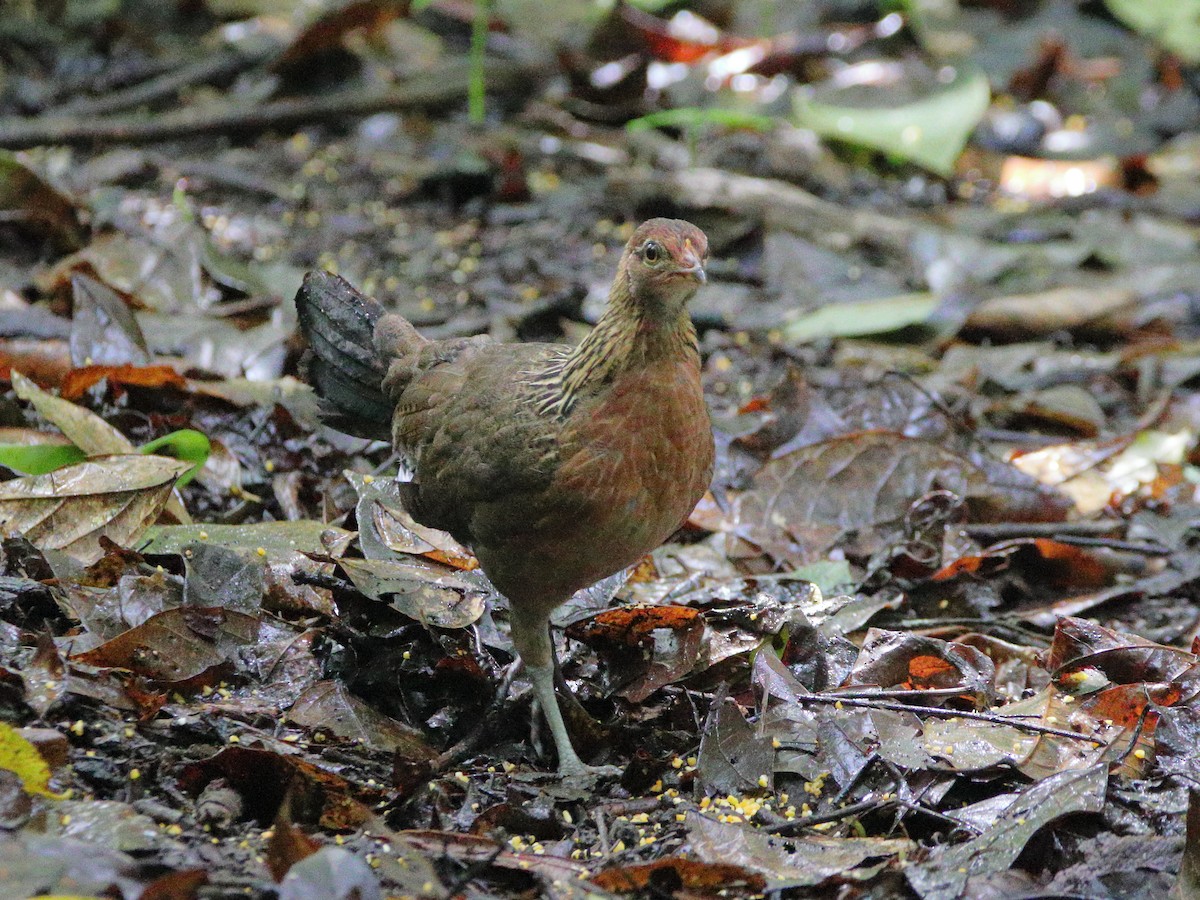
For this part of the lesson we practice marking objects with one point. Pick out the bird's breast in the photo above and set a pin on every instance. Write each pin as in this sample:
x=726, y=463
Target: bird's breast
x=632, y=464
x=639, y=458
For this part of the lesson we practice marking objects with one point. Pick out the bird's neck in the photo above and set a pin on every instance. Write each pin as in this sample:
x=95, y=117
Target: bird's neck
x=629, y=336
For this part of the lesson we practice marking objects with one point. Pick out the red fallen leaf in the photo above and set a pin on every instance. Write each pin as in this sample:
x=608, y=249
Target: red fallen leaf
x=330, y=30
x=110, y=568
x=176, y=645
x=929, y=671
x=1123, y=704
x=669, y=875
x=632, y=626
x=1051, y=562
x=663, y=45
x=643, y=664
x=148, y=703
x=45, y=362
x=644, y=572
x=288, y=845
x=182, y=885
x=891, y=659
x=77, y=381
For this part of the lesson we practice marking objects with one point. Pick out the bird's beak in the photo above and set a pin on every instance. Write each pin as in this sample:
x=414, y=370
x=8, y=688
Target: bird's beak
x=693, y=267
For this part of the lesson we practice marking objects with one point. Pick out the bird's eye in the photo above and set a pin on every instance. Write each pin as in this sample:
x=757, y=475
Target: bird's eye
x=652, y=252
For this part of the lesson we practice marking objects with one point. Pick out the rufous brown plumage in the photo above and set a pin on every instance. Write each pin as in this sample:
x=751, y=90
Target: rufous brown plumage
x=557, y=466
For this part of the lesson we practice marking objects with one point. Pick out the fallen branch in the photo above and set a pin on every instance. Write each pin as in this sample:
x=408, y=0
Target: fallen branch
x=429, y=90
x=219, y=66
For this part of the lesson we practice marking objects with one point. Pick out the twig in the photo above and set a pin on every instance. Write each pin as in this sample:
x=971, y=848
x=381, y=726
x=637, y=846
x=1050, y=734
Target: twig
x=996, y=626
x=792, y=826
x=203, y=71
x=429, y=90
x=989, y=532
x=936, y=713
x=1144, y=547
x=471, y=741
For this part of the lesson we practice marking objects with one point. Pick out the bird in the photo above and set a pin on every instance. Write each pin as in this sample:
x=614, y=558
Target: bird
x=557, y=466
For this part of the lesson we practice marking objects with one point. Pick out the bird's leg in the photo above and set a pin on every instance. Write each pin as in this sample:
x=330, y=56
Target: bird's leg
x=542, y=678
x=531, y=635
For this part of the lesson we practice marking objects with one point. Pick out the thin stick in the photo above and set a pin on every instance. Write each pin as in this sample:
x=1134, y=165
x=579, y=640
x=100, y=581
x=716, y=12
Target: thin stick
x=203, y=71
x=936, y=713
x=429, y=90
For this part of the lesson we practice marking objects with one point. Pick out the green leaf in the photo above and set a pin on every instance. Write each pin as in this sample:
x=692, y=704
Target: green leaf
x=187, y=445
x=827, y=574
x=863, y=317
x=929, y=130
x=38, y=459
x=1175, y=24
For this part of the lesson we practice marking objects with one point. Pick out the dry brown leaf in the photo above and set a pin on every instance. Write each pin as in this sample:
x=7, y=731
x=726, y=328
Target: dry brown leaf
x=117, y=497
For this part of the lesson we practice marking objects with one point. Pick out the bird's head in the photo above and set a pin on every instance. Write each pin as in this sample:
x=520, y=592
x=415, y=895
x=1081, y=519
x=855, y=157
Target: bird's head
x=664, y=265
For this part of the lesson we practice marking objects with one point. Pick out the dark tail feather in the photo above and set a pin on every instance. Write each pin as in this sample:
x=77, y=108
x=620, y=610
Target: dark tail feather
x=339, y=324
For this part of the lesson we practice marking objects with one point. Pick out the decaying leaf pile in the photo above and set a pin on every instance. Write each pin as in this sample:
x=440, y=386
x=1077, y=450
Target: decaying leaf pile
x=933, y=632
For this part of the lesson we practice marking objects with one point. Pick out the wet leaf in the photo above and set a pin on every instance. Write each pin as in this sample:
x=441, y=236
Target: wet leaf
x=264, y=778
x=909, y=113
x=649, y=646
x=687, y=873
x=733, y=756
x=429, y=593
x=116, y=497
x=863, y=317
x=110, y=823
x=103, y=328
x=280, y=541
x=892, y=659
x=857, y=489
x=791, y=862
x=35, y=864
x=44, y=677
x=88, y=431
x=388, y=530
x=946, y=874
x=329, y=705
x=164, y=278
x=177, y=645
x=82, y=427
x=220, y=576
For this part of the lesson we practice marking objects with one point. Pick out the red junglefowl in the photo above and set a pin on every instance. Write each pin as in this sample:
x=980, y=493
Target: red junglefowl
x=557, y=466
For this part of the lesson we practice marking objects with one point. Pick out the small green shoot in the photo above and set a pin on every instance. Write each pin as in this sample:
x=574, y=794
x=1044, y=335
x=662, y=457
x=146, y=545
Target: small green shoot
x=187, y=445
